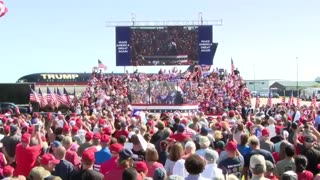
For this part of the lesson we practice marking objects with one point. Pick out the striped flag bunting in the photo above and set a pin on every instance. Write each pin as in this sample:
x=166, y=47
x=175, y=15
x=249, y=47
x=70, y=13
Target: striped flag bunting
x=269, y=103
x=62, y=98
x=43, y=99
x=34, y=97
x=101, y=65
x=3, y=9
x=65, y=92
x=291, y=100
x=51, y=98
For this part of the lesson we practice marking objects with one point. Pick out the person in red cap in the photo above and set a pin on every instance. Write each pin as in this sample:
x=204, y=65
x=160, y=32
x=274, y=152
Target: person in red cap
x=96, y=142
x=26, y=155
x=66, y=130
x=122, y=131
x=233, y=164
x=142, y=168
x=180, y=136
x=7, y=172
x=49, y=162
x=111, y=163
x=71, y=155
x=265, y=142
x=87, y=172
x=104, y=154
x=87, y=144
x=125, y=161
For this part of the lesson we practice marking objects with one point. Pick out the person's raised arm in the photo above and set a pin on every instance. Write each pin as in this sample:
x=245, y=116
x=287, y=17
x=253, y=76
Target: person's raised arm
x=296, y=134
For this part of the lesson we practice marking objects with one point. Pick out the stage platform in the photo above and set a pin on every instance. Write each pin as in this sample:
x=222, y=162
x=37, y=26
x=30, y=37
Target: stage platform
x=160, y=108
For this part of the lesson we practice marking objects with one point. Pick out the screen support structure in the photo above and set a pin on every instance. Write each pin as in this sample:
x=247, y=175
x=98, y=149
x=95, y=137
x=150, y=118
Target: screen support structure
x=134, y=22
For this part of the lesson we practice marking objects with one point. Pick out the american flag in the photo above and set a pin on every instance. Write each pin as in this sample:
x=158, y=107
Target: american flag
x=61, y=98
x=257, y=101
x=57, y=103
x=3, y=9
x=232, y=66
x=75, y=99
x=283, y=101
x=43, y=99
x=269, y=103
x=34, y=97
x=298, y=102
x=51, y=98
x=101, y=65
x=291, y=100
x=65, y=92
x=314, y=100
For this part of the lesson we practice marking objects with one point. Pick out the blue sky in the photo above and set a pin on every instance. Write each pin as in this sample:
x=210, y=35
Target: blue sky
x=70, y=35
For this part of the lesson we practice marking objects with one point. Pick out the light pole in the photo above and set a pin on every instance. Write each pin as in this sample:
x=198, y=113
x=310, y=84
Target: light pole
x=254, y=77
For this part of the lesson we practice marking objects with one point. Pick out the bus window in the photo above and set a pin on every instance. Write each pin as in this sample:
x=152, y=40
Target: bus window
x=318, y=92
x=22, y=81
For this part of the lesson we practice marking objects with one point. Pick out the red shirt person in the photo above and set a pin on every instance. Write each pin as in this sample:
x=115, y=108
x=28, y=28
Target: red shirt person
x=180, y=136
x=26, y=155
x=111, y=163
x=125, y=161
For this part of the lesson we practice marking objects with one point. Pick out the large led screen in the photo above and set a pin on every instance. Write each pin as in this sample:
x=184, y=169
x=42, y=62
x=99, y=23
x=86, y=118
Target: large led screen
x=164, y=45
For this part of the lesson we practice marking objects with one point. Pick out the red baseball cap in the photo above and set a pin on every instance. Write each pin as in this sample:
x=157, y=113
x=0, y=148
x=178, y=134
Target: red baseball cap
x=49, y=158
x=278, y=129
x=107, y=130
x=265, y=132
x=184, y=121
x=231, y=146
x=218, y=125
x=6, y=129
x=96, y=136
x=73, y=114
x=88, y=155
x=89, y=136
x=105, y=138
x=30, y=129
x=249, y=124
x=25, y=138
x=101, y=121
x=8, y=171
x=116, y=148
x=231, y=113
x=66, y=128
x=141, y=166
x=74, y=129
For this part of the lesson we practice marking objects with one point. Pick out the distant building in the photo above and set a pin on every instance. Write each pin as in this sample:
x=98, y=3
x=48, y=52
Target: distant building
x=260, y=85
x=286, y=87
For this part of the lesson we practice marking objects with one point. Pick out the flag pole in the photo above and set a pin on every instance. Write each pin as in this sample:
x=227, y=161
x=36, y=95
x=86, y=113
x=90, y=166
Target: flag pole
x=297, y=76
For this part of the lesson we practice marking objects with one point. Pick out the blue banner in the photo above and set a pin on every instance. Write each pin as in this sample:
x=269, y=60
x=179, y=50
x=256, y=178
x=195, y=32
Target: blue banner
x=205, y=47
x=123, y=55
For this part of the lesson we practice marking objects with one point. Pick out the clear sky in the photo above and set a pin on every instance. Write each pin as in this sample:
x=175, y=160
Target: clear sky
x=70, y=35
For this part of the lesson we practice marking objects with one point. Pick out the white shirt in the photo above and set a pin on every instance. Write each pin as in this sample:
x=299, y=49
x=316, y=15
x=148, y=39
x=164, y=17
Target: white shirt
x=272, y=130
x=201, y=152
x=211, y=170
x=179, y=169
x=297, y=116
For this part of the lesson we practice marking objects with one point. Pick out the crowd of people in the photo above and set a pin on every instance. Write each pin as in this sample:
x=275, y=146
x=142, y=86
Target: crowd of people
x=215, y=90
x=104, y=139
x=164, y=41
